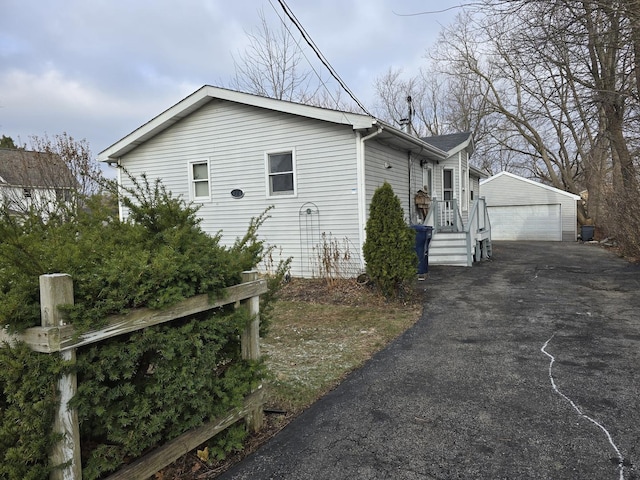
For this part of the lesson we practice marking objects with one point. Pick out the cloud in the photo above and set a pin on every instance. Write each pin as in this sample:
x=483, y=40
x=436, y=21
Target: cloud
x=99, y=69
x=51, y=102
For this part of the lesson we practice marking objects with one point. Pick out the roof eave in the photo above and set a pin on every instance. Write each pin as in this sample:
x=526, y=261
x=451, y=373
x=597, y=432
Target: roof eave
x=414, y=144
x=468, y=145
x=208, y=93
x=477, y=172
x=154, y=126
x=532, y=182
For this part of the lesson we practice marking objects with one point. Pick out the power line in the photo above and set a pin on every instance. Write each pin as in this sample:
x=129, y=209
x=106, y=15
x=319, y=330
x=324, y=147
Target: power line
x=319, y=54
x=432, y=12
x=313, y=68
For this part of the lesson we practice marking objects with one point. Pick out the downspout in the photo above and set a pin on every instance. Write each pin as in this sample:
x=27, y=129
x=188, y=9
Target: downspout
x=120, y=206
x=361, y=188
x=460, y=181
x=409, y=160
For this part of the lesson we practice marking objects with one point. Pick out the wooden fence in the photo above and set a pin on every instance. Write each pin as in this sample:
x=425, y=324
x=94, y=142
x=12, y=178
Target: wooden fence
x=55, y=337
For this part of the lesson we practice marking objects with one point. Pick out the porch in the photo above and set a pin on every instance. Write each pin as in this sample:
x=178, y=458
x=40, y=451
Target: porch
x=453, y=242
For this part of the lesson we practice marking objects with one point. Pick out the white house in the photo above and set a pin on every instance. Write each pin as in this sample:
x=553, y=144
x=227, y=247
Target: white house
x=521, y=209
x=236, y=153
x=37, y=180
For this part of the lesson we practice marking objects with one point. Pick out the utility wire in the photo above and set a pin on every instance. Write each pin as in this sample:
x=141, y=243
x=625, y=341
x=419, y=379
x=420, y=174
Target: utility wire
x=319, y=54
x=432, y=12
x=322, y=82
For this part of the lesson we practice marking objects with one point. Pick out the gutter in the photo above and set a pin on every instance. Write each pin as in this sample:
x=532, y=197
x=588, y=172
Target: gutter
x=420, y=144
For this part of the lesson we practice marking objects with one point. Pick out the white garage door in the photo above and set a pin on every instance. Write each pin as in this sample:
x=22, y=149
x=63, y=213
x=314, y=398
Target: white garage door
x=526, y=222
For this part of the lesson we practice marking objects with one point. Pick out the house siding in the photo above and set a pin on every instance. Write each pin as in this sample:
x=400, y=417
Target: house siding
x=376, y=156
x=234, y=138
x=505, y=190
x=474, y=186
x=450, y=163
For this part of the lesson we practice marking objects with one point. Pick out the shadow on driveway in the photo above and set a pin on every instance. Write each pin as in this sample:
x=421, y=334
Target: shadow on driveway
x=526, y=366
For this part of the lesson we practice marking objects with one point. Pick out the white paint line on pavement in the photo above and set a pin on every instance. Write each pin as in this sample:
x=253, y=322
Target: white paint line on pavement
x=579, y=411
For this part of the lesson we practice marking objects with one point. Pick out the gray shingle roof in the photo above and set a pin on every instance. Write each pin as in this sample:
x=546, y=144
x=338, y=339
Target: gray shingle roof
x=34, y=169
x=447, y=142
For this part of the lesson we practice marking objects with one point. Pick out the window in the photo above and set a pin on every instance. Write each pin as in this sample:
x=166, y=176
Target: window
x=465, y=196
x=26, y=192
x=447, y=181
x=281, y=173
x=199, y=178
x=63, y=195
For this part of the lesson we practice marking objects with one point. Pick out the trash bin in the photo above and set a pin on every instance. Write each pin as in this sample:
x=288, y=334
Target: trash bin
x=586, y=232
x=423, y=238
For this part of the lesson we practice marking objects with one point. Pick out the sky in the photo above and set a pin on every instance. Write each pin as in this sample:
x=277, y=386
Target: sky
x=99, y=69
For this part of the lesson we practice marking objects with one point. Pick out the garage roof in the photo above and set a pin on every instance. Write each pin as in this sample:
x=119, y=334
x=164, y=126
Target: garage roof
x=537, y=184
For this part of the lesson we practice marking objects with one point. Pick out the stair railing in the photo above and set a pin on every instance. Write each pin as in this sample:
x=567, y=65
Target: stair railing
x=444, y=215
x=478, y=229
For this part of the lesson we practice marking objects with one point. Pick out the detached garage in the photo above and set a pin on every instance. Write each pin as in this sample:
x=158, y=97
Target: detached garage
x=521, y=209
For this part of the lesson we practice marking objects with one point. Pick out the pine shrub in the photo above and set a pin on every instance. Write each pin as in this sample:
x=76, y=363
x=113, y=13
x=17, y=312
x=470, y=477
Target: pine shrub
x=140, y=390
x=389, y=248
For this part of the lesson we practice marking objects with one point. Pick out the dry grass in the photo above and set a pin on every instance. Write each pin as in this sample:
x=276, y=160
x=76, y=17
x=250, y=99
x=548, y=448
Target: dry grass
x=320, y=332
x=315, y=342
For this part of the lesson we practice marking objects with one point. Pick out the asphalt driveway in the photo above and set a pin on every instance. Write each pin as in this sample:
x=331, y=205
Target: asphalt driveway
x=526, y=366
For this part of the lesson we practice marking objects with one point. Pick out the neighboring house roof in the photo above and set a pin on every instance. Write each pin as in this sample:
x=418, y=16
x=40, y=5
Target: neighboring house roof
x=363, y=123
x=24, y=168
x=532, y=182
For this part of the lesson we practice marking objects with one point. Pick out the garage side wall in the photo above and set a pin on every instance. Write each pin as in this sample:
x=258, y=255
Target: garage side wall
x=511, y=191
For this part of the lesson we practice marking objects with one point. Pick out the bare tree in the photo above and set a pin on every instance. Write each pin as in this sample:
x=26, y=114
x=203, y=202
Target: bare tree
x=446, y=100
x=273, y=65
x=525, y=55
x=51, y=175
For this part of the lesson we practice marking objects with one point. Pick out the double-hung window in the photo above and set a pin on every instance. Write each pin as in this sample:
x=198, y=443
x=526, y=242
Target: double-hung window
x=280, y=168
x=199, y=188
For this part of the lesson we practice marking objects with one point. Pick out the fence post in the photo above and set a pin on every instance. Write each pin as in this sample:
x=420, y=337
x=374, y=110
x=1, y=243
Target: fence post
x=250, y=344
x=57, y=289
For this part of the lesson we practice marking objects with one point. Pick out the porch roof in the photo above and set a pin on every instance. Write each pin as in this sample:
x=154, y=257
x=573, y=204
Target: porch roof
x=452, y=143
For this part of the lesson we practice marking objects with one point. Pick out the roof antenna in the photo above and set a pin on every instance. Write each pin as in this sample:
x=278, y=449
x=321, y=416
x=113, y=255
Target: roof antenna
x=406, y=123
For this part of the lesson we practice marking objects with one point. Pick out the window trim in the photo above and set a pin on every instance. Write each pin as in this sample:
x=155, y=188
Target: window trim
x=193, y=181
x=268, y=174
x=427, y=178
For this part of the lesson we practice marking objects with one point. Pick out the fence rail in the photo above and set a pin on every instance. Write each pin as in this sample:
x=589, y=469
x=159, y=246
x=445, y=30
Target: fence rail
x=54, y=337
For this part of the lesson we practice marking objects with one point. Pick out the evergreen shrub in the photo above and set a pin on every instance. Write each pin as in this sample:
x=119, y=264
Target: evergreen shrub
x=389, y=250
x=140, y=390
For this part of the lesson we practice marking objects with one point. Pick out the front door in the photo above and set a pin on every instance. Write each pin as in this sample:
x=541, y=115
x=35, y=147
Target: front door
x=447, y=219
